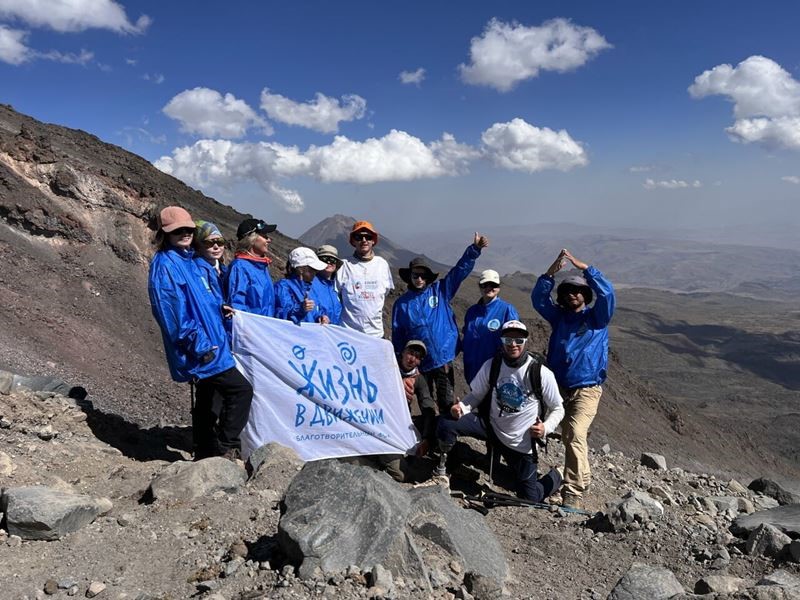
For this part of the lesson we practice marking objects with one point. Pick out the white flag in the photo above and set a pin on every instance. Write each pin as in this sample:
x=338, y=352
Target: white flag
x=324, y=390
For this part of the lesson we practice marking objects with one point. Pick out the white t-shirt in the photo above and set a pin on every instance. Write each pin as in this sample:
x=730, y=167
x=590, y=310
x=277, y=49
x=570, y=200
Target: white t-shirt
x=516, y=408
x=363, y=285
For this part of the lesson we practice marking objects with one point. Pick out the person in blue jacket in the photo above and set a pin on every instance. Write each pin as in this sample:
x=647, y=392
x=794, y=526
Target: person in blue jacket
x=190, y=316
x=481, y=339
x=296, y=297
x=248, y=285
x=209, y=248
x=326, y=283
x=578, y=356
x=424, y=313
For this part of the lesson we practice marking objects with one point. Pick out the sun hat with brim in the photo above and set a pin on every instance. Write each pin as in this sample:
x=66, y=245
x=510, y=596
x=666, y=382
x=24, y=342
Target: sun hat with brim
x=363, y=226
x=418, y=263
x=578, y=281
x=416, y=344
x=206, y=230
x=174, y=217
x=305, y=257
x=489, y=276
x=518, y=326
x=328, y=251
x=258, y=226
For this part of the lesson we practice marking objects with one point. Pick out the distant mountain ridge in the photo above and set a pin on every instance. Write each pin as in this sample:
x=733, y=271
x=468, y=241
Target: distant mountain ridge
x=335, y=231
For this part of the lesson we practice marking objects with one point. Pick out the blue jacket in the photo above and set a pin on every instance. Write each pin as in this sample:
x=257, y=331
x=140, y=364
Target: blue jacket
x=289, y=296
x=481, y=339
x=426, y=315
x=189, y=314
x=325, y=290
x=210, y=273
x=249, y=287
x=578, y=349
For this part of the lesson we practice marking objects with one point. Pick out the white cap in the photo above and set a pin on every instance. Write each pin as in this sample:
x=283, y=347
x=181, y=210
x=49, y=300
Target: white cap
x=489, y=276
x=514, y=326
x=305, y=257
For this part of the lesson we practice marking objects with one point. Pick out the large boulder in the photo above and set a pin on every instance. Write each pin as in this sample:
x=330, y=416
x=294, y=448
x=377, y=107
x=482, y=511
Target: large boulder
x=774, y=490
x=786, y=518
x=42, y=513
x=767, y=540
x=339, y=514
x=643, y=581
x=184, y=480
x=633, y=507
x=653, y=461
x=273, y=467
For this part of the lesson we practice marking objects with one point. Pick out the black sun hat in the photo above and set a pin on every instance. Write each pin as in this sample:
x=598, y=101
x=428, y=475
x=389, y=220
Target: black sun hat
x=249, y=226
x=418, y=263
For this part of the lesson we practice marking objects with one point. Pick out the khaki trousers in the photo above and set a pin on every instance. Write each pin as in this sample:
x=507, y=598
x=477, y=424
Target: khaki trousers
x=580, y=408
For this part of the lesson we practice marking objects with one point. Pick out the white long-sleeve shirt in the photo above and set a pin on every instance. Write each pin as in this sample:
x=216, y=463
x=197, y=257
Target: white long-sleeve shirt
x=515, y=407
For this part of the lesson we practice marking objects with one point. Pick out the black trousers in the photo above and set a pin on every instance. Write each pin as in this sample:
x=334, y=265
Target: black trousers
x=221, y=409
x=441, y=383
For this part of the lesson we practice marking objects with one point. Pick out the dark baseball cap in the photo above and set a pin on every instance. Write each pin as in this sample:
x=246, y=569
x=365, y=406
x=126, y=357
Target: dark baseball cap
x=258, y=226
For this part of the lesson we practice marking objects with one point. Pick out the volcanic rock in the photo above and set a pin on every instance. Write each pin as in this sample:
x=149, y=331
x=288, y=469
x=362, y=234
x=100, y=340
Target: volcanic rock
x=774, y=490
x=766, y=540
x=643, y=581
x=786, y=518
x=654, y=461
x=633, y=507
x=187, y=480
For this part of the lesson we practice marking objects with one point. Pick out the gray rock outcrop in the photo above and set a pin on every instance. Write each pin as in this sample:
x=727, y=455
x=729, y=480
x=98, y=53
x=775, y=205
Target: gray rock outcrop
x=643, y=581
x=340, y=515
x=42, y=513
x=187, y=480
x=786, y=518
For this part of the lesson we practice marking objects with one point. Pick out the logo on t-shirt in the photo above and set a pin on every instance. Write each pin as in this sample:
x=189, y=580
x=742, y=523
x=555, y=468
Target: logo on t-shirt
x=510, y=397
x=433, y=301
x=493, y=325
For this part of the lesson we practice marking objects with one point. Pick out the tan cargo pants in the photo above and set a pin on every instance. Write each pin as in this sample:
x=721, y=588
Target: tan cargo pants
x=580, y=408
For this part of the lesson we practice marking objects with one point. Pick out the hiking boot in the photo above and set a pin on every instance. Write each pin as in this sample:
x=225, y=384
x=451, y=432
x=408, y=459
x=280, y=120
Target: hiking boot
x=571, y=501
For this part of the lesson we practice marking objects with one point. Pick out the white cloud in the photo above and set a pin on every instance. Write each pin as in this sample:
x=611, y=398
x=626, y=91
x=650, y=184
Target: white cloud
x=520, y=146
x=671, y=184
x=791, y=179
x=82, y=58
x=156, y=78
x=507, y=53
x=131, y=62
x=397, y=156
x=412, y=77
x=322, y=114
x=766, y=101
x=640, y=169
x=73, y=15
x=207, y=112
x=13, y=49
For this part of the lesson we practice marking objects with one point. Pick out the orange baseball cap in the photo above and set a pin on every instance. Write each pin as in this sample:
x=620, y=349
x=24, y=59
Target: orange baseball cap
x=361, y=226
x=174, y=217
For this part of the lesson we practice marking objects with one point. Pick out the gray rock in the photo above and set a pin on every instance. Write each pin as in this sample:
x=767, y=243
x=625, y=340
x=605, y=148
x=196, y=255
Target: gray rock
x=719, y=584
x=95, y=589
x=273, y=466
x=7, y=467
x=633, y=507
x=382, y=578
x=342, y=515
x=782, y=578
x=187, y=480
x=662, y=494
x=482, y=587
x=736, y=488
x=643, y=581
x=774, y=490
x=794, y=551
x=746, y=506
x=42, y=513
x=786, y=518
x=725, y=503
x=653, y=461
x=606, y=449
x=766, y=540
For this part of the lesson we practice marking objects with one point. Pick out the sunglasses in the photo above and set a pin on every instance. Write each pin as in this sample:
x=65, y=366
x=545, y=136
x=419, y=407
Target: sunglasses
x=515, y=341
x=328, y=259
x=212, y=243
x=489, y=286
x=181, y=231
x=419, y=275
x=360, y=237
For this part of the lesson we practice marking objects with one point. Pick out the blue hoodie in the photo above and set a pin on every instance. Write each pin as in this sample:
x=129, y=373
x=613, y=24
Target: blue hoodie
x=249, y=287
x=325, y=290
x=289, y=296
x=578, y=349
x=189, y=314
x=481, y=339
x=426, y=315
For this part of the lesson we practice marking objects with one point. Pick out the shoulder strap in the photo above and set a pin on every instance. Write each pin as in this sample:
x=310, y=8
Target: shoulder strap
x=535, y=375
x=494, y=374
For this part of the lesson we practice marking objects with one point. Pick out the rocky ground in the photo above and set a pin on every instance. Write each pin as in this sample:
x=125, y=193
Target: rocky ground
x=163, y=543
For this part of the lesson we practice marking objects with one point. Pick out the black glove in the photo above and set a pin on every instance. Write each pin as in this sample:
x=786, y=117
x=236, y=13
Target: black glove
x=207, y=357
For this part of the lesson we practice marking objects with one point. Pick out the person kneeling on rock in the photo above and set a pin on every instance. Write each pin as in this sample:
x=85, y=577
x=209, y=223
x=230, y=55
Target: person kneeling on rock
x=510, y=415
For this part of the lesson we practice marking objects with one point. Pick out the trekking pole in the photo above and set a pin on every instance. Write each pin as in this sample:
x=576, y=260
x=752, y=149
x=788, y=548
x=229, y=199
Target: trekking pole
x=508, y=500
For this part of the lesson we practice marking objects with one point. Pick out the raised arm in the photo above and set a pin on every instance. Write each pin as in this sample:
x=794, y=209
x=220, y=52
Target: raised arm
x=455, y=276
x=605, y=300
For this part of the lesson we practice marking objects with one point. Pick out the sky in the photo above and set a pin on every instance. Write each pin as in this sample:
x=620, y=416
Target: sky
x=431, y=116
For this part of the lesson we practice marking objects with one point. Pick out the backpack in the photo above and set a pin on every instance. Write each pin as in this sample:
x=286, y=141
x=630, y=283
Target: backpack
x=534, y=377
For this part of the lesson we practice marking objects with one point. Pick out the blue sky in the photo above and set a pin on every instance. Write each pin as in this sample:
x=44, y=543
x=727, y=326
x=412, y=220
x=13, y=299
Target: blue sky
x=523, y=112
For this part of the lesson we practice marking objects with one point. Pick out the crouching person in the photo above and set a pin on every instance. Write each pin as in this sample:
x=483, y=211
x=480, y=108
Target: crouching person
x=510, y=413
